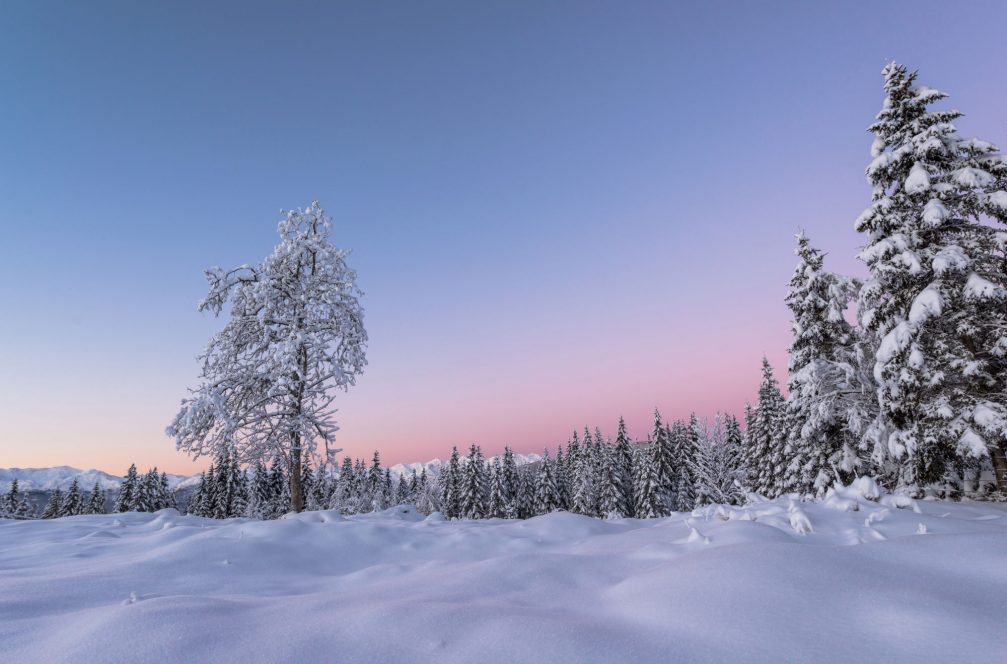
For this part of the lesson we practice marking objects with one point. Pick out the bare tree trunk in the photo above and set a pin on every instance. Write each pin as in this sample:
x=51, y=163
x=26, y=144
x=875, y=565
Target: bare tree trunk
x=999, y=459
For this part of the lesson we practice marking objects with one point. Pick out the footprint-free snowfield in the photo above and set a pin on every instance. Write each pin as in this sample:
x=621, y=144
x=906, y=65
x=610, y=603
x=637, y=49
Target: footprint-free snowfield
x=848, y=579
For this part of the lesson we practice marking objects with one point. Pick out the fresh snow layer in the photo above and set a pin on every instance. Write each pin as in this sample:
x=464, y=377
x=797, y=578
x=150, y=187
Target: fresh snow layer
x=857, y=577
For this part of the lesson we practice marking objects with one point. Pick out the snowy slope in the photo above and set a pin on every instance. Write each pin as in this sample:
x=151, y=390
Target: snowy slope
x=47, y=479
x=850, y=580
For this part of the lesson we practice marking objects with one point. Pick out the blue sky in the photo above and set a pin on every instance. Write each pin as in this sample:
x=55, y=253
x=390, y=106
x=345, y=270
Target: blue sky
x=560, y=211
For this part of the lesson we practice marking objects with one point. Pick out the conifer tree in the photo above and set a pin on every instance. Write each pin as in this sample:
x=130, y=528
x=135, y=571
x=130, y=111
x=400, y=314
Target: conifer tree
x=511, y=485
x=73, y=504
x=826, y=392
x=936, y=298
x=647, y=486
x=54, y=508
x=662, y=455
x=611, y=497
x=546, y=493
x=11, y=499
x=128, y=491
x=764, y=437
x=623, y=461
x=497, y=505
x=451, y=487
x=95, y=501
x=474, y=488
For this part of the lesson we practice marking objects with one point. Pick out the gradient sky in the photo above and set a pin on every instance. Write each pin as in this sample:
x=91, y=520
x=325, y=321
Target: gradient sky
x=560, y=212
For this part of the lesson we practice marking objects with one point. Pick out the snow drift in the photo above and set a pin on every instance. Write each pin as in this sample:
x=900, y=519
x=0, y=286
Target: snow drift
x=860, y=576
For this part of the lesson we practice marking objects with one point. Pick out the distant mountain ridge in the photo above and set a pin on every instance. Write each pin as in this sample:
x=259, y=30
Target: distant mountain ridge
x=60, y=477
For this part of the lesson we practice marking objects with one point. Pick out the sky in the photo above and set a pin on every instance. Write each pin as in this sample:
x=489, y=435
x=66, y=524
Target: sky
x=559, y=212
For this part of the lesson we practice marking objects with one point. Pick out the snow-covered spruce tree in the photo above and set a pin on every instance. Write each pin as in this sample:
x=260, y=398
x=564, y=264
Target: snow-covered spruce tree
x=828, y=396
x=387, y=490
x=11, y=500
x=546, y=493
x=73, y=503
x=936, y=298
x=647, y=486
x=714, y=468
x=450, y=485
x=662, y=455
x=403, y=496
x=765, y=436
x=583, y=481
x=611, y=496
x=54, y=508
x=497, y=502
x=374, y=485
x=511, y=485
x=95, y=501
x=623, y=462
x=128, y=491
x=473, y=486
x=294, y=339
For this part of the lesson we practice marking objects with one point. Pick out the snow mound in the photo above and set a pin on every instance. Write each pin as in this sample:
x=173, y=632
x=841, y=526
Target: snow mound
x=777, y=580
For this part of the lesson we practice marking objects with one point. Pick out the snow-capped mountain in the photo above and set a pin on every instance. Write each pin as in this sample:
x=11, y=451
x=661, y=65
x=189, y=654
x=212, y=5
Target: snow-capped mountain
x=433, y=467
x=60, y=477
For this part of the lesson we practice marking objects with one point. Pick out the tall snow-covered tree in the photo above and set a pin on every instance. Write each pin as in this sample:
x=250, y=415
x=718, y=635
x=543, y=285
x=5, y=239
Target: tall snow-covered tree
x=474, y=487
x=128, y=491
x=647, y=486
x=546, y=493
x=294, y=339
x=623, y=462
x=765, y=436
x=95, y=501
x=73, y=503
x=828, y=396
x=936, y=298
x=54, y=508
x=511, y=485
x=715, y=469
x=662, y=455
x=611, y=496
x=450, y=482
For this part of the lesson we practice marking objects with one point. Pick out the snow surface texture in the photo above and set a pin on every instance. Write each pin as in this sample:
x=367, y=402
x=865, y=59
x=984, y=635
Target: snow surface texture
x=860, y=576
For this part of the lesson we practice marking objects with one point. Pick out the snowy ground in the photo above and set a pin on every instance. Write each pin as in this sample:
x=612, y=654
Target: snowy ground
x=925, y=582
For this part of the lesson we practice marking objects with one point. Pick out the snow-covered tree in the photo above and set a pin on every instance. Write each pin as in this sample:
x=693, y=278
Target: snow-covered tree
x=765, y=437
x=294, y=339
x=546, y=493
x=828, y=396
x=715, y=467
x=95, y=501
x=662, y=455
x=583, y=480
x=511, y=485
x=73, y=503
x=936, y=298
x=647, y=486
x=623, y=462
x=54, y=508
x=450, y=482
x=611, y=494
x=128, y=491
x=474, y=487
x=15, y=504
